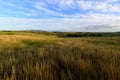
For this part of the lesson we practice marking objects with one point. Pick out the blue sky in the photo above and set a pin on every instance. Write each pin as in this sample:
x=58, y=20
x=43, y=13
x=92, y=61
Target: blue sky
x=60, y=15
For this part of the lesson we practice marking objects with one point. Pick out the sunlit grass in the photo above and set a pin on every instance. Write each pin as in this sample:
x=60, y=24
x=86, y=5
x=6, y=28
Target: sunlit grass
x=30, y=56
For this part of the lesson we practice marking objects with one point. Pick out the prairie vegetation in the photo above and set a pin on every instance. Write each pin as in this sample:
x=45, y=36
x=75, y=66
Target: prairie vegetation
x=89, y=34
x=39, y=56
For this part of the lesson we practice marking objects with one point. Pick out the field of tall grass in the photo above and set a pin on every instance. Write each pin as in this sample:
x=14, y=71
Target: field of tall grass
x=33, y=56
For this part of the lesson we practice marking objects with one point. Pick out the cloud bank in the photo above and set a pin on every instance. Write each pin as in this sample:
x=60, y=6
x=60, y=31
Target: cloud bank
x=60, y=15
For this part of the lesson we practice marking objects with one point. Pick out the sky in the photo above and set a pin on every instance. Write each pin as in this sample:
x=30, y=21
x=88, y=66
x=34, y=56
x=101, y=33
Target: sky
x=60, y=15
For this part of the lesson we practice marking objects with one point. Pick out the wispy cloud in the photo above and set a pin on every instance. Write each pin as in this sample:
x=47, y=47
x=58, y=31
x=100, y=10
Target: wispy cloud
x=59, y=7
x=100, y=6
x=68, y=15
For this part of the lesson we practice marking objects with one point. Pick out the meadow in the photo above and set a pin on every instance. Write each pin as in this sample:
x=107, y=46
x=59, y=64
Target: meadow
x=26, y=55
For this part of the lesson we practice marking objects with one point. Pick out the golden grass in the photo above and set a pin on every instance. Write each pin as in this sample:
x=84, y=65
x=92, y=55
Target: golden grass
x=29, y=56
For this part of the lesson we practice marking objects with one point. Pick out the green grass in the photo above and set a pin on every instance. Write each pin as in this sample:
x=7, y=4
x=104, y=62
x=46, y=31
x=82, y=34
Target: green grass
x=108, y=41
x=31, y=56
x=34, y=43
x=6, y=33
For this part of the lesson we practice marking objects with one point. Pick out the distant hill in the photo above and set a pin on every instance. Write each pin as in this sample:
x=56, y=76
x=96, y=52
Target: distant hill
x=68, y=34
x=88, y=34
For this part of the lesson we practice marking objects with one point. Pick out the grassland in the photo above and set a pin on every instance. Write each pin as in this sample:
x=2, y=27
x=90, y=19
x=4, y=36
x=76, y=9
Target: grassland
x=38, y=56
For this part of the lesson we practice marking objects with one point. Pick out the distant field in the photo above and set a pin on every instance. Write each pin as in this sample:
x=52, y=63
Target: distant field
x=26, y=55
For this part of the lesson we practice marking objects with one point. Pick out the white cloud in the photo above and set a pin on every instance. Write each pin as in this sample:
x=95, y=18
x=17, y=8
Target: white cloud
x=95, y=5
x=112, y=0
x=90, y=22
x=43, y=7
x=100, y=6
x=84, y=4
x=62, y=4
